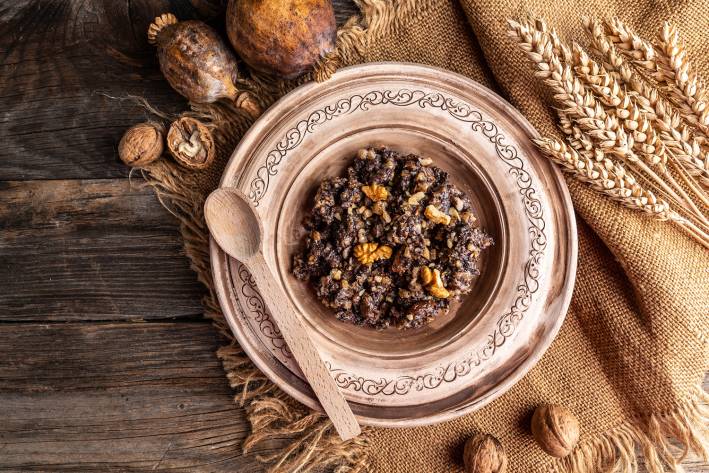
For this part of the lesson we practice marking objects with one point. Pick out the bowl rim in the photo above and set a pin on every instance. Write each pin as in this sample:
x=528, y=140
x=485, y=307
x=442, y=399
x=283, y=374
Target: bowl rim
x=253, y=134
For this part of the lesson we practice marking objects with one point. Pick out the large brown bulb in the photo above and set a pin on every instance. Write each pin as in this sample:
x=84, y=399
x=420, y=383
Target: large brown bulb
x=194, y=59
x=281, y=37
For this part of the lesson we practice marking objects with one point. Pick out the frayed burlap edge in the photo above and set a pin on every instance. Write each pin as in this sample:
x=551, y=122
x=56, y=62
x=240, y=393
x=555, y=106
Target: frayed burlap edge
x=314, y=444
x=665, y=439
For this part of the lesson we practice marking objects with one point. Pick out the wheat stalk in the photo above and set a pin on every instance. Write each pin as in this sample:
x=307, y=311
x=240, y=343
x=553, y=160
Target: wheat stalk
x=613, y=116
x=668, y=66
x=604, y=175
x=578, y=102
x=611, y=179
x=676, y=137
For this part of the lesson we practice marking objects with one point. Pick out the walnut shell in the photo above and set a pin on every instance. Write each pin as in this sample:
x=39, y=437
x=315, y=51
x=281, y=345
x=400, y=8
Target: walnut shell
x=191, y=143
x=141, y=144
x=556, y=429
x=281, y=37
x=483, y=453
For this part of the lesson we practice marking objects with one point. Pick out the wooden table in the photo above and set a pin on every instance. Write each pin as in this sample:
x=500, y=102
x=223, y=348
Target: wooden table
x=105, y=360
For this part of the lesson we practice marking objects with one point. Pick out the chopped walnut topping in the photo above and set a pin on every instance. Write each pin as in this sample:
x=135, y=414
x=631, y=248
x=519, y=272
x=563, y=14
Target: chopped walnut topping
x=368, y=253
x=436, y=288
x=416, y=198
x=380, y=208
x=454, y=214
x=376, y=192
x=426, y=275
x=436, y=216
x=433, y=282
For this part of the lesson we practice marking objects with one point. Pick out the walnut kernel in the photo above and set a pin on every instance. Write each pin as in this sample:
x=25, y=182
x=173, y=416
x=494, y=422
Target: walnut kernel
x=415, y=198
x=376, y=192
x=436, y=216
x=436, y=287
x=433, y=282
x=368, y=253
x=191, y=143
x=426, y=275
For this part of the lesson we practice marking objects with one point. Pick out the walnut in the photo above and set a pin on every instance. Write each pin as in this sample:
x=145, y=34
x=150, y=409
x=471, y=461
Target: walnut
x=556, y=429
x=376, y=192
x=483, y=453
x=436, y=216
x=141, y=144
x=191, y=143
x=426, y=275
x=415, y=198
x=379, y=208
x=436, y=288
x=433, y=282
x=368, y=253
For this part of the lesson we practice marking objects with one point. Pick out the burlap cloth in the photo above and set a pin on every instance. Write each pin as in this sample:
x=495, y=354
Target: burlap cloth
x=632, y=353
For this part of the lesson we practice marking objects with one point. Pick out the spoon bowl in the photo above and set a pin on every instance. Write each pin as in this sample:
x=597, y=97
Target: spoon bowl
x=233, y=223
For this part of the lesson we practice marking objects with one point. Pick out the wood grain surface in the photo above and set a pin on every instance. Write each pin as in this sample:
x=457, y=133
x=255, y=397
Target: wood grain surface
x=85, y=385
x=91, y=250
x=119, y=396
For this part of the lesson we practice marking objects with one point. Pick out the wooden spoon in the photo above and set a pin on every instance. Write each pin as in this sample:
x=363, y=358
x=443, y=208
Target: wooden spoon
x=237, y=229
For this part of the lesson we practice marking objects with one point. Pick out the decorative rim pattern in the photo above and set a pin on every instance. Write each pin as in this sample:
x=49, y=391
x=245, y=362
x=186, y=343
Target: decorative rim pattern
x=506, y=323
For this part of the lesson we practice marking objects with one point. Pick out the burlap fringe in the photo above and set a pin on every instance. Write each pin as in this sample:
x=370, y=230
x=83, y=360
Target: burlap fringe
x=664, y=439
x=313, y=443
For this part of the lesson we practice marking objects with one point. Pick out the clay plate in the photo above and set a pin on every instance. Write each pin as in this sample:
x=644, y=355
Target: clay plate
x=486, y=342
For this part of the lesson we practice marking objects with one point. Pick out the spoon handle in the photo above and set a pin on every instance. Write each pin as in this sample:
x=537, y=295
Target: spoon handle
x=304, y=350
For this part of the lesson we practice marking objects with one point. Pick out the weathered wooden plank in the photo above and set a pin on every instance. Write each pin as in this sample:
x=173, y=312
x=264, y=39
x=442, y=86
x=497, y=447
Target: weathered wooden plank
x=91, y=250
x=128, y=396
x=58, y=62
x=124, y=396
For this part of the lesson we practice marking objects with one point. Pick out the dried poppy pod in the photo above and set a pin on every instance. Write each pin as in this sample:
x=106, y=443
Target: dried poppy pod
x=197, y=63
x=191, y=143
x=282, y=37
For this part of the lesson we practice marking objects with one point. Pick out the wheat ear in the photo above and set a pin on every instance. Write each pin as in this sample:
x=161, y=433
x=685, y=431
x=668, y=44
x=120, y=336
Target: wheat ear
x=611, y=114
x=674, y=65
x=677, y=138
x=579, y=102
x=611, y=179
x=658, y=64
